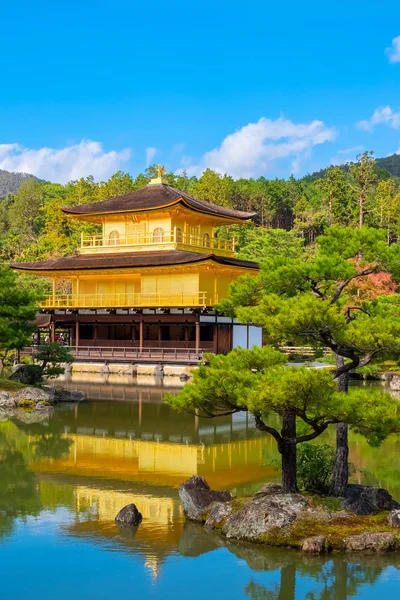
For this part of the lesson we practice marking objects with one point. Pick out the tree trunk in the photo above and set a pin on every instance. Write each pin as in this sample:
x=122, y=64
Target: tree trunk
x=340, y=476
x=288, y=453
x=287, y=589
x=361, y=208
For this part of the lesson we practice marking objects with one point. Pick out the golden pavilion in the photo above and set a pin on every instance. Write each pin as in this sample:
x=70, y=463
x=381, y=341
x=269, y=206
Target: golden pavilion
x=152, y=277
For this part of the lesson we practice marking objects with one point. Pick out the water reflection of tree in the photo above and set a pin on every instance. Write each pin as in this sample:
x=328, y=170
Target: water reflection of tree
x=339, y=579
x=51, y=446
x=20, y=443
x=283, y=591
x=19, y=489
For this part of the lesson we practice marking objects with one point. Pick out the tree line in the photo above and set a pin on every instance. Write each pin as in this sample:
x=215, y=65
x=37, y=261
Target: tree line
x=32, y=226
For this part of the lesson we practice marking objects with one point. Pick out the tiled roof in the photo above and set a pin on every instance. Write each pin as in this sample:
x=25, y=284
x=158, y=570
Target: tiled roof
x=152, y=197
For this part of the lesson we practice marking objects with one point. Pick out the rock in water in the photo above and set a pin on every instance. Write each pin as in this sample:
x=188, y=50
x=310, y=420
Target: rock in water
x=218, y=512
x=394, y=518
x=263, y=514
x=129, y=515
x=368, y=500
x=371, y=543
x=196, y=496
x=317, y=544
x=33, y=394
x=394, y=383
x=6, y=401
x=64, y=395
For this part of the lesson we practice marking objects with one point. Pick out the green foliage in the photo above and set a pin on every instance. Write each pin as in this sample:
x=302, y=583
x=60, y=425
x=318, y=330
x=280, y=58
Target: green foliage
x=51, y=356
x=307, y=299
x=257, y=381
x=18, y=311
x=315, y=464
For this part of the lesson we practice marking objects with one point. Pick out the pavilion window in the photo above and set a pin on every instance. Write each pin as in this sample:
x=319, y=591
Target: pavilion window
x=113, y=238
x=158, y=235
x=206, y=240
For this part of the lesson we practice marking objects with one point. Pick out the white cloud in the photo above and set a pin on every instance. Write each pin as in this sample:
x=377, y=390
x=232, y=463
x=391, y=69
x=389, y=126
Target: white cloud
x=65, y=164
x=249, y=151
x=346, y=155
x=394, y=51
x=383, y=114
x=150, y=154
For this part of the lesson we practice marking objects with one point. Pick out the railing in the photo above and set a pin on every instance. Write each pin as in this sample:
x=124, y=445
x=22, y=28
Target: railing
x=127, y=300
x=174, y=236
x=191, y=355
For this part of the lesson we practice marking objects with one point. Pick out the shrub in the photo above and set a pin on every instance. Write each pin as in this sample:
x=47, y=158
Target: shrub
x=315, y=464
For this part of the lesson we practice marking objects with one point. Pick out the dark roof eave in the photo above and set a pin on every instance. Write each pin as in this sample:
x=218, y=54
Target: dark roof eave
x=124, y=261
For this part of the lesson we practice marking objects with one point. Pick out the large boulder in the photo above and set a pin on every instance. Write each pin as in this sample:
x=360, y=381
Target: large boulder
x=32, y=394
x=64, y=395
x=394, y=518
x=368, y=500
x=129, y=515
x=371, y=543
x=6, y=401
x=6, y=414
x=269, y=489
x=196, y=496
x=264, y=514
x=27, y=374
x=394, y=383
x=317, y=544
x=217, y=514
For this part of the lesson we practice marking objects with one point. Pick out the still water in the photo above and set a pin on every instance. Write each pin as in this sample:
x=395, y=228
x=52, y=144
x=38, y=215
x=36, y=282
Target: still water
x=64, y=478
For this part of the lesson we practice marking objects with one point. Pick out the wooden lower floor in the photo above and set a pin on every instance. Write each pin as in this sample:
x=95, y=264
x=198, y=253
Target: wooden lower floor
x=139, y=336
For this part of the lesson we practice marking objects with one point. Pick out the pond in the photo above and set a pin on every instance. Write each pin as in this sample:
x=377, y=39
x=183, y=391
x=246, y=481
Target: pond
x=63, y=480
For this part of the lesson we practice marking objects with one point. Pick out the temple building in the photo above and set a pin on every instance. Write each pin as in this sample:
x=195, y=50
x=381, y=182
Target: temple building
x=151, y=279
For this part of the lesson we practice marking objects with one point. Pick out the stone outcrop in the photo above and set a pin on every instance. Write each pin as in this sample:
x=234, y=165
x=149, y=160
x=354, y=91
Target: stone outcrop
x=217, y=514
x=394, y=383
x=29, y=400
x=26, y=374
x=317, y=544
x=263, y=514
x=196, y=496
x=371, y=543
x=269, y=489
x=394, y=518
x=33, y=394
x=368, y=500
x=129, y=515
x=278, y=518
x=6, y=401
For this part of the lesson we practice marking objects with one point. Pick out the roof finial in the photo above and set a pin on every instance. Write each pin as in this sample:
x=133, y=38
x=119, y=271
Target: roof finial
x=160, y=172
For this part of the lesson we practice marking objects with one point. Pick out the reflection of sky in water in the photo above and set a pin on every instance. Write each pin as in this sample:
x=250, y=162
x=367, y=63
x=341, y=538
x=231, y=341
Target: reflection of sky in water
x=57, y=532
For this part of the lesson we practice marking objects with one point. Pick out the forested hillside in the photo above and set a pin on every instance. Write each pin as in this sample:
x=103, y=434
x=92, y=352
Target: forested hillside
x=33, y=227
x=10, y=182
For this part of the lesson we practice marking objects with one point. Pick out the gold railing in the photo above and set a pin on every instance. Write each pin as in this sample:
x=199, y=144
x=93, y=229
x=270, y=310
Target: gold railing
x=157, y=238
x=128, y=300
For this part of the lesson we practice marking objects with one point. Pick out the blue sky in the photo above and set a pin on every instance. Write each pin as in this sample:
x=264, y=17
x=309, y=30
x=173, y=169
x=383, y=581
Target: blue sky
x=245, y=87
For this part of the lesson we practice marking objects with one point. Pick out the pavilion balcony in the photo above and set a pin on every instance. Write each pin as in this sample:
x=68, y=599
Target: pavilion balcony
x=157, y=240
x=129, y=300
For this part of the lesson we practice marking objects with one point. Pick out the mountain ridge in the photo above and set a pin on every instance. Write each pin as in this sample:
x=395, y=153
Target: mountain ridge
x=10, y=181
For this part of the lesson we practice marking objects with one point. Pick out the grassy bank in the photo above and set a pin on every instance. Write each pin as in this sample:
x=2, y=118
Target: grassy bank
x=6, y=385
